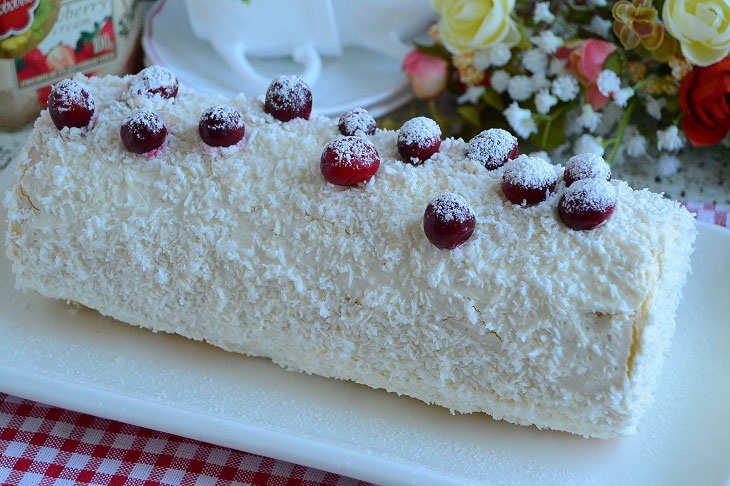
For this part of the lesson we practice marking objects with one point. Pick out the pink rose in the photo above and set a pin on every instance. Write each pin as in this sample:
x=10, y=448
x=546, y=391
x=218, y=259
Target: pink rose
x=427, y=74
x=586, y=59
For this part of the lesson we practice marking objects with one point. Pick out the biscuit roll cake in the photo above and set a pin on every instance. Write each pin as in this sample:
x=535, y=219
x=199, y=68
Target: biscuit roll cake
x=240, y=241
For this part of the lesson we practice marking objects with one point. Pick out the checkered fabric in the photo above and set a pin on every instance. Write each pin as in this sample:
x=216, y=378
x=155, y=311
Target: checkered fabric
x=708, y=213
x=42, y=445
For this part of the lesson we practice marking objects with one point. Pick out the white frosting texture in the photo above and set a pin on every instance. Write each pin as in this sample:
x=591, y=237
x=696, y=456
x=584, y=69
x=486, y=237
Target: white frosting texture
x=253, y=251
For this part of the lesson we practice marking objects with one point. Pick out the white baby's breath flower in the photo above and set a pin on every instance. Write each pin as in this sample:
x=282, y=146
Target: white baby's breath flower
x=482, y=59
x=557, y=67
x=634, y=142
x=535, y=60
x=547, y=41
x=544, y=101
x=622, y=96
x=588, y=118
x=471, y=95
x=611, y=115
x=589, y=144
x=539, y=81
x=600, y=26
x=565, y=87
x=608, y=82
x=542, y=13
x=499, y=80
x=669, y=139
x=668, y=165
x=520, y=119
x=541, y=155
x=520, y=88
x=654, y=106
x=499, y=55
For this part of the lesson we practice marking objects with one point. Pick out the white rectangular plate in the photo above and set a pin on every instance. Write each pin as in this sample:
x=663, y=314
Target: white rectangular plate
x=52, y=353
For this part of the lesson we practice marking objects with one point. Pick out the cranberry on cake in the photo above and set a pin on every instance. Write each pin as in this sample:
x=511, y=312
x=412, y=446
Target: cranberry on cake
x=554, y=308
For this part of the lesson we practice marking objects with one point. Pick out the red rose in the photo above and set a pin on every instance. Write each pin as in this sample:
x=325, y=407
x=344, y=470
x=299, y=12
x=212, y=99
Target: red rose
x=705, y=100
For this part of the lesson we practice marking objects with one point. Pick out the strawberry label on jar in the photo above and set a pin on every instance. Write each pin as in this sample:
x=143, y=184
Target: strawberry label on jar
x=49, y=40
x=82, y=39
x=16, y=16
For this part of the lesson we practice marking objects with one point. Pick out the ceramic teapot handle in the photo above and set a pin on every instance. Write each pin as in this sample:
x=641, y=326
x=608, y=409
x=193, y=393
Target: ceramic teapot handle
x=234, y=54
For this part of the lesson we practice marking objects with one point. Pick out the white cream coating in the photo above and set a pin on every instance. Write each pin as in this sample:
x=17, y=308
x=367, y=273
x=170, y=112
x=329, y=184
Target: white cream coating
x=254, y=252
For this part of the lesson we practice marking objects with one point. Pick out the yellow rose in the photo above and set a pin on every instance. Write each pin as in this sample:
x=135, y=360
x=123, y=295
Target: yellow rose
x=466, y=25
x=702, y=28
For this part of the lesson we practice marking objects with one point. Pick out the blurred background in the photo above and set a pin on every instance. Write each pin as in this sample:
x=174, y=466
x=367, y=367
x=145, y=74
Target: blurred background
x=385, y=56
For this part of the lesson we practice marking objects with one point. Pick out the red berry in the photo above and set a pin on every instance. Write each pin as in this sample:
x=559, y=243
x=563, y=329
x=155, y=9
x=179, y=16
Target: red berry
x=419, y=139
x=357, y=119
x=221, y=126
x=154, y=81
x=493, y=148
x=143, y=132
x=288, y=97
x=587, y=204
x=586, y=166
x=349, y=160
x=70, y=104
x=528, y=180
x=448, y=221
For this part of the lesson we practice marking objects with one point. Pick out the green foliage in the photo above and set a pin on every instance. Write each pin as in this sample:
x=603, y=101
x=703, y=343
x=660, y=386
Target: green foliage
x=615, y=63
x=470, y=113
x=492, y=98
x=436, y=50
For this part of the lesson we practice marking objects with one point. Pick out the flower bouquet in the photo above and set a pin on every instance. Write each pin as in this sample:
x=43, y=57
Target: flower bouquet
x=620, y=79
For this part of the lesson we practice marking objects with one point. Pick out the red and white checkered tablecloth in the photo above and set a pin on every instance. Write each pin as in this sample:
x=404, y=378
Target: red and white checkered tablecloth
x=41, y=445
x=50, y=446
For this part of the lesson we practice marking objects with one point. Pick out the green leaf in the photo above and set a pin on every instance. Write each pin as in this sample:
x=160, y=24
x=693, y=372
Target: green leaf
x=525, y=42
x=614, y=63
x=470, y=114
x=87, y=37
x=435, y=50
x=672, y=104
x=551, y=130
x=492, y=98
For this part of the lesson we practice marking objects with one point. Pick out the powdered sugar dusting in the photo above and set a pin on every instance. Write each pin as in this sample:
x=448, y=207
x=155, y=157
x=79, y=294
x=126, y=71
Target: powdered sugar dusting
x=145, y=121
x=357, y=119
x=491, y=147
x=353, y=152
x=530, y=172
x=222, y=117
x=452, y=207
x=419, y=131
x=590, y=195
x=587, y=166
x=69, y=94
x=154, y=81
x=287, y=92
